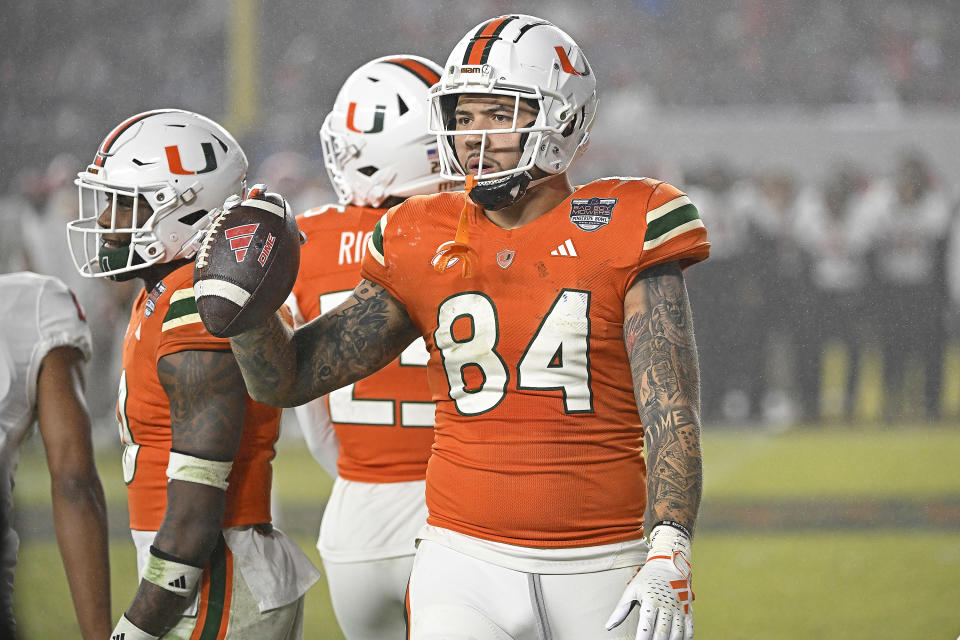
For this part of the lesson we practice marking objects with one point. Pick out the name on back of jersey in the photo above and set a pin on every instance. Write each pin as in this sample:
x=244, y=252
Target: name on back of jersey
x=353, y=245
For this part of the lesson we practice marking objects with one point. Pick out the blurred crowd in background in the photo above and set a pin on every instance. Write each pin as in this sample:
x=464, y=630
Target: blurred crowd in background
x=848, y=271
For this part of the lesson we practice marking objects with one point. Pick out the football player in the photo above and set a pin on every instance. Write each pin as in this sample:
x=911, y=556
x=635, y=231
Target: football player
x=44, y=340
x=196, y=448
x=562, y=359
x=373, y=436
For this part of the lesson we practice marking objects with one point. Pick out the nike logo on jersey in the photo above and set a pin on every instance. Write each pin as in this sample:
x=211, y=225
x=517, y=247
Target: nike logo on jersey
x=566, y=249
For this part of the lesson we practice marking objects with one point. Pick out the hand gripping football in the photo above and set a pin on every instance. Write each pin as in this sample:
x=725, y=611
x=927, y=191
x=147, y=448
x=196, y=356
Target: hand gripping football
x=247, y=264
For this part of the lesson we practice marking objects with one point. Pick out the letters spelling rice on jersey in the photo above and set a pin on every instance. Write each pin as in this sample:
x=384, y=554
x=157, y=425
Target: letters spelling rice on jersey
x=592, y=213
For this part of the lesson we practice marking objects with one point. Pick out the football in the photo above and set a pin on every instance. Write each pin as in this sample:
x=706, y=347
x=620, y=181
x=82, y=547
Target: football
x=247, y=263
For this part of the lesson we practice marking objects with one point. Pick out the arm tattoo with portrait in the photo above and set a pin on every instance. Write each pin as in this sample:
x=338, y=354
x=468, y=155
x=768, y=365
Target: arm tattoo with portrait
x=287, y=368
x=360, y=336
x=658, y=334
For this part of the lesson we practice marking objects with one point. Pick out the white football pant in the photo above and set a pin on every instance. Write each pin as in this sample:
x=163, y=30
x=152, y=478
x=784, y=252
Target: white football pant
x=457, y=597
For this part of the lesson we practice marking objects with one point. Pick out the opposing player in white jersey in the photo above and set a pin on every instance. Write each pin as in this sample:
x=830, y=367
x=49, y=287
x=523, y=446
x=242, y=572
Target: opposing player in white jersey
x=197, y=449
x=44, y=340
x=377, y=432
x=562, y=360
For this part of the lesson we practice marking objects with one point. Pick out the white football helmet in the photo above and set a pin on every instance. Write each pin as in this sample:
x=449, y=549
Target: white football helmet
x=183, y=164
x=527, y=59
x=375, y=140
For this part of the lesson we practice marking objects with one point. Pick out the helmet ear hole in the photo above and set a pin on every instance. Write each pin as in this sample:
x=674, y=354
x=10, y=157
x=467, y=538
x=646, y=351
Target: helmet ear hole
x=191, y=218
x=577, y=117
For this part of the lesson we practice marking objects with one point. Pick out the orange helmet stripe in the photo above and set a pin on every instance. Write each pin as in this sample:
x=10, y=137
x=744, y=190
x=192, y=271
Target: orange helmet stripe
x=417, y=68
x=483, y=40
x=105, y=147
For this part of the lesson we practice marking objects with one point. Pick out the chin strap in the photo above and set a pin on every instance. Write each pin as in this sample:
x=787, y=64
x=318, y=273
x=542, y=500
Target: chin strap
x=459, y=248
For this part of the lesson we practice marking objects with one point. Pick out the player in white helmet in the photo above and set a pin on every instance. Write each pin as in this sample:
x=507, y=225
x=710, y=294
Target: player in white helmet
x=197, y=449
x=44, y=340
x=562, y=360
x=373, y=436
x=174, y=167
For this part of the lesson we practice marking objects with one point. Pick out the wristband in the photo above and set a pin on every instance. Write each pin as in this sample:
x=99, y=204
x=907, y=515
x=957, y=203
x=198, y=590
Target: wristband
x=171, y=573
x=126, y=630
x=676, y=525
x=670, y=543
x=200, y=470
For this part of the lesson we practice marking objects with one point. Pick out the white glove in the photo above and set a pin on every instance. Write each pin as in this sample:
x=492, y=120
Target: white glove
x=662, y=588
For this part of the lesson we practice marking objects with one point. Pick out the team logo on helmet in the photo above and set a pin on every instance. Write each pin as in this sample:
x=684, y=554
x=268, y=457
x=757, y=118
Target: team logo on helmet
x=176, y=165
x=378, y=116
x=592, y=213
x=567, y=66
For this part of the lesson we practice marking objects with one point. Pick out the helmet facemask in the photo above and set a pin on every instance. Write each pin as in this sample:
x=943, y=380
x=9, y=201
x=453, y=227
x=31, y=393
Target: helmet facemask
x=337, y=152
x=112, y=249
x=157, y=214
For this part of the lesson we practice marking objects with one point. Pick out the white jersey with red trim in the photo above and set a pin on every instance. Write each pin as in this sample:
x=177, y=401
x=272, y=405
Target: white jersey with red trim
x=37, y=313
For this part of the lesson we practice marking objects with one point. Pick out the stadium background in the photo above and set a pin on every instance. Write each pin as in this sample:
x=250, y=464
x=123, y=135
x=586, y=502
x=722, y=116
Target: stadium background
x=831, y=485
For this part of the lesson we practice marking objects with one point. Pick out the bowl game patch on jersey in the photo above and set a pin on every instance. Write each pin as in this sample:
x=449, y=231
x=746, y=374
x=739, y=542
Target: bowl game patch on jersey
x=592, y=213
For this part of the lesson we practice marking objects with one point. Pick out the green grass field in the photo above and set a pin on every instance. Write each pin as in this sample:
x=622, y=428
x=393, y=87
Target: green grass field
x=896, y=578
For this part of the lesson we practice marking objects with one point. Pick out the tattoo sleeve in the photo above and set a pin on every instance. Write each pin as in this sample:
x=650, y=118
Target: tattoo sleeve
x=658, y=335
x=283, y=367
x=207, y=403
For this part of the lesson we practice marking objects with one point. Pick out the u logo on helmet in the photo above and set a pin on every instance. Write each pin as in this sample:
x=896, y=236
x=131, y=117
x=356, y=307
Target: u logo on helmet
x=567, y=66
x=176, y=164
x=377, y=119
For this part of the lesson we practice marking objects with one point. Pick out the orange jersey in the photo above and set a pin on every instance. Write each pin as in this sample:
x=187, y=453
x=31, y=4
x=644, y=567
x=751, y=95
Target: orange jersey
x=384, y=422
x=538, y=437
x=162, y=322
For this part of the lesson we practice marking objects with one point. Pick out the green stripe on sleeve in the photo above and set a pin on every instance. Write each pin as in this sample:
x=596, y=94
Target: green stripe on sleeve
x=376, y=240
x=670, y=221
x=179, y=308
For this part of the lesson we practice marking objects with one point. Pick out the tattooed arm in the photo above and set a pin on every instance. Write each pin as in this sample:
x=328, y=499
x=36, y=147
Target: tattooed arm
x=286, y=368
x=658, y=334
x=207, y=404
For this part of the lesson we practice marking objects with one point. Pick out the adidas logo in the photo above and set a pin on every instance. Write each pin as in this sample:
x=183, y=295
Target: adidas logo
x=179, y=583
x=118, y=636
x=240, y=238
x=565, y=249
